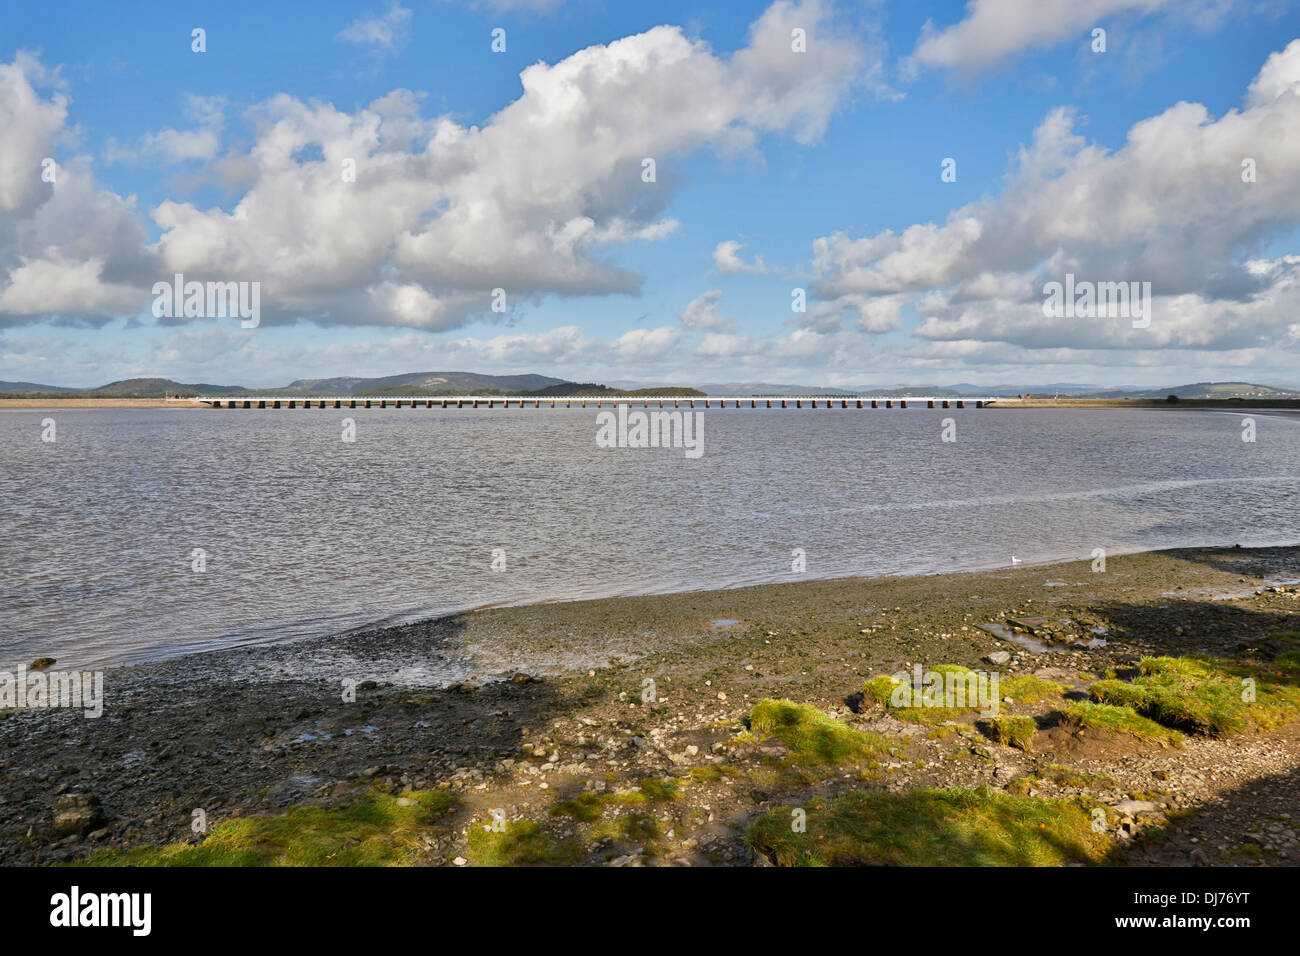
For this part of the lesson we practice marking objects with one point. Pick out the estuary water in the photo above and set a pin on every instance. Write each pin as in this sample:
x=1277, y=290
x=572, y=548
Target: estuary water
x=140, y=534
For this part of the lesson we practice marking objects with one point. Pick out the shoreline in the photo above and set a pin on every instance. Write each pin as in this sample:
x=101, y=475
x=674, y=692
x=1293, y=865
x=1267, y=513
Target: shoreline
x=1240, y=404
x=391, y=622
x=566, y=678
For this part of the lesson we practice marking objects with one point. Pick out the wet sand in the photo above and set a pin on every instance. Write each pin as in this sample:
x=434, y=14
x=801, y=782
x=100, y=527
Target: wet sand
x=60, y=403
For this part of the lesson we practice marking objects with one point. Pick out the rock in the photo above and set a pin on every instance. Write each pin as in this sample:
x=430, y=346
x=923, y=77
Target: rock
x=998, y=657
x=77, y=813
x=460, y=861
x=1135, y=807
x=407, y=802
x=41, y=663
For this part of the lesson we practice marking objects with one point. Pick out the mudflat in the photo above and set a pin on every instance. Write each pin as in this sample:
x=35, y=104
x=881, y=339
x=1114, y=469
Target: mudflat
x=703, y=728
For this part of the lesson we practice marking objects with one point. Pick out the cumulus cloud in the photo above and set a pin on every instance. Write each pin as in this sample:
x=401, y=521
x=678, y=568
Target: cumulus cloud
x=1174, y=206
x=726, y=257
x=31, y=123
x=170, y=145
x=68, y=248
x=383, y=216
x=996, y=30
x=702, y=313
x=440, y=215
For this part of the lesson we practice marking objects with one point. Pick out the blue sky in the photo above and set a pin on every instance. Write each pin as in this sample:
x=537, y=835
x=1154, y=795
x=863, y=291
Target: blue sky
x=825, y=164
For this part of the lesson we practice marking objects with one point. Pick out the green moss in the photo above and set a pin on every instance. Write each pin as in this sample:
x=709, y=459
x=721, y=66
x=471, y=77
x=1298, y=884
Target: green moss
x=1064, y=776
x=659, y=791
x=1011, y=731
x=957, y=827
x=639, y=829
x=522, y=843
x=585, y=807
x=941, y=732
x=1028, y=689
x=1204, y=695
x=1117, y=719
x=376, y=831
x=814, y=738
x=881, y=690
x=706, y=774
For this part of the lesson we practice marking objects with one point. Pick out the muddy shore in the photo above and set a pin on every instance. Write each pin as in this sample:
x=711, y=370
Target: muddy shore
x=551, y=705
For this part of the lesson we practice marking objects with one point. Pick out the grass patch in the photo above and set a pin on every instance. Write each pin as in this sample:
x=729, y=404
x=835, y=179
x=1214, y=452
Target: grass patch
x=957, y=827
x=944, y=710
x=1204, y=695
x=376, y=831
x=638, y=829
x=813, y=737
x=712, y=773
x=1011, y=731
x=1117, y=719
x=522, y=843
x=659, y=791
x=1028, y=689
x=1064, y=776
x=586, y=807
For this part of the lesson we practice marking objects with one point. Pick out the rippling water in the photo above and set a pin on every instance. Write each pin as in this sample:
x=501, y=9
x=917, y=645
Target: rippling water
x=306, y=534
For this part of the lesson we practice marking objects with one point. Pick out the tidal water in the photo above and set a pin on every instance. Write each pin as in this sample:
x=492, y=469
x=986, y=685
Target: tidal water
x=304, y=534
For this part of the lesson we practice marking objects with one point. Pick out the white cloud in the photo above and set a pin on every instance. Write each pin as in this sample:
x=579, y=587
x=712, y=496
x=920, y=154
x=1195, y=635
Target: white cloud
x=1169, y=207
x=526, y=202
x=995, y=30
x=726, y=257
x=176, y=146
x=68, y=248
x=30, y=125
x=382, y=32
x=702, y=313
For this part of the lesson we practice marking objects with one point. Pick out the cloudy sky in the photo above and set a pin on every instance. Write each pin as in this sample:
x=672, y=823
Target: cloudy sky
x=380, y=169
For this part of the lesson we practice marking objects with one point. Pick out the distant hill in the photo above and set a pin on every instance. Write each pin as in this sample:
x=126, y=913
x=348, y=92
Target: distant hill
x=1199, y=390
x=127, y=388
x=156, y=388
x=1204, y=390
x=543, y=386
x=423, y=383
x=589, y=389
x=28, y=388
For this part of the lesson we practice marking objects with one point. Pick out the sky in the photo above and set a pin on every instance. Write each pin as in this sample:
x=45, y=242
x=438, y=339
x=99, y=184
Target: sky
x=839, y=194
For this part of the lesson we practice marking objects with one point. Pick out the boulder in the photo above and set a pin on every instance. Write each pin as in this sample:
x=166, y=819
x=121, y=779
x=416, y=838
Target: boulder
x=77, y=813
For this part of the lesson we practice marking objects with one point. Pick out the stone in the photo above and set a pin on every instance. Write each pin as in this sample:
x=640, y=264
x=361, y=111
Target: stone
x=998, y=657
x=77, y=813
x=1135, y=807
